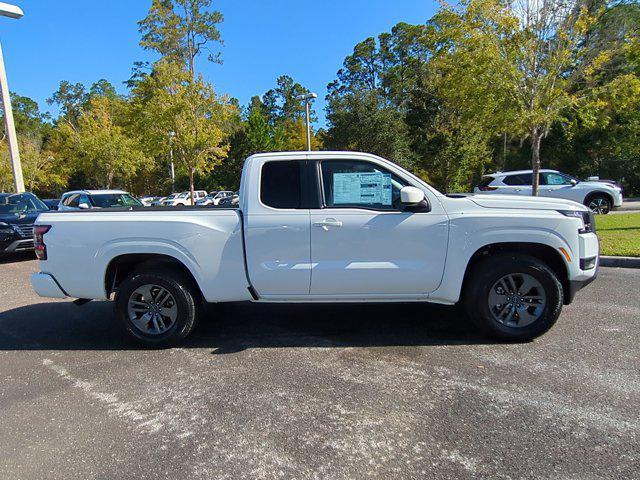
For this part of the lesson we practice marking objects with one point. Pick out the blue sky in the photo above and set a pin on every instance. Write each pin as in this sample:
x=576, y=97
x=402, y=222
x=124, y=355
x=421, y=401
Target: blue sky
x=83, y=41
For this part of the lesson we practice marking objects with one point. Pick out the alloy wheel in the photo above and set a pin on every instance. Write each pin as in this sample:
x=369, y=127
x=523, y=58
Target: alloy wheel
x=152, y=309
x=517, y=300
x=599, y=205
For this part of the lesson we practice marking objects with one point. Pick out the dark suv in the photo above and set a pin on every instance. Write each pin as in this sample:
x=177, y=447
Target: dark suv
x=18, y=211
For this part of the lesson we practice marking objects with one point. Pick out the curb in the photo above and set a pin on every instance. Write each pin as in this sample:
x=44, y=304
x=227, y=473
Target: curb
x=620, y=262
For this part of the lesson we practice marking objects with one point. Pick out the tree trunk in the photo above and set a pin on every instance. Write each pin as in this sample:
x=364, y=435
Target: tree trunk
x=536, y=138
x=191, y=189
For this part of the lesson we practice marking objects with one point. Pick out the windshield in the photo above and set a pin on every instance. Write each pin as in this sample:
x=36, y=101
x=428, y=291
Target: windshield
x=21, y=203
x=106, y=200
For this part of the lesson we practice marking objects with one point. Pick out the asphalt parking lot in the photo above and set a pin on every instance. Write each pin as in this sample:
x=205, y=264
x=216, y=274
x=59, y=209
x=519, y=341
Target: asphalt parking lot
x=268, y=391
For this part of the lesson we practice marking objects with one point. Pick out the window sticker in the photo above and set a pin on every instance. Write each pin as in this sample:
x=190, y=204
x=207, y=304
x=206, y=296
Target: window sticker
x=362, y=188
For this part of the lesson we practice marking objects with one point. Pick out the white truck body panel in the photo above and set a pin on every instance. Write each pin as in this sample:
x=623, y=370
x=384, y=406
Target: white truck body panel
x=316, y=254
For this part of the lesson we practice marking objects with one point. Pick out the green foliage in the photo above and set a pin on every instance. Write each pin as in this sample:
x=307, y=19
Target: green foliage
x=179, y=30
x=168, y=102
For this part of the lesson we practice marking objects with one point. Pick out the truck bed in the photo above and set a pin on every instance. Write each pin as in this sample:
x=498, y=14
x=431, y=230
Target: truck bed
x=206, y=239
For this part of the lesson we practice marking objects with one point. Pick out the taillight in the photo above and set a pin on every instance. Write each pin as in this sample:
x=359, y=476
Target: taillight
x=38, y=240
x=487, y=189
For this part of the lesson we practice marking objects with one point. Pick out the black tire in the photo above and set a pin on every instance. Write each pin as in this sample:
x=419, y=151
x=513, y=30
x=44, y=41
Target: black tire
x=186, y=299
x=599, y=203
x=489, y=271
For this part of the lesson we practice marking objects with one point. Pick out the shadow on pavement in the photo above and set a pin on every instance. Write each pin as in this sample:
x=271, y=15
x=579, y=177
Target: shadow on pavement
x=17, y=257
x=231, y=328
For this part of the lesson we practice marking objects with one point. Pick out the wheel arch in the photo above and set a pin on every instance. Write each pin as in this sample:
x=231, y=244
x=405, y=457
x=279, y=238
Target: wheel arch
x=547, y=254
x=595, y=193
x=121, y=266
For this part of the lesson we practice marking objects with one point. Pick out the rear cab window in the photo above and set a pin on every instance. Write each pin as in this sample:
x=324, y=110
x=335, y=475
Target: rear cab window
x=289, y=184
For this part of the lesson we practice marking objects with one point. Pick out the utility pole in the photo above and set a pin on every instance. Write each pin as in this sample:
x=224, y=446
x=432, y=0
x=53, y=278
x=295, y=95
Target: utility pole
x=306, y=99
x=11, y=11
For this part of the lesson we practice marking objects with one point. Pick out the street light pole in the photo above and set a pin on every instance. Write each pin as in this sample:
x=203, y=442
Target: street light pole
x=11, y=11
x=173, y=172
x=307, y=98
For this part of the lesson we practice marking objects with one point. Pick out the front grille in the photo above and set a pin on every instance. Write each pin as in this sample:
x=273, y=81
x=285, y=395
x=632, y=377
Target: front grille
x=27, y=245
x=25, y=230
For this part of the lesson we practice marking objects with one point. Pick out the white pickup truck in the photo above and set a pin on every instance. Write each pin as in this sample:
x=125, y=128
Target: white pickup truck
x=324, y=227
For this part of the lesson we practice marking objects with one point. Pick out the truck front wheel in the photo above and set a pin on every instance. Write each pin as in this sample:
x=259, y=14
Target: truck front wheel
x=513, y=296
x=157, y=309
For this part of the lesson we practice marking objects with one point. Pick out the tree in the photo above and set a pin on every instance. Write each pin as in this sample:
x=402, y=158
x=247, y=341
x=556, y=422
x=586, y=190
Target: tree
x=517, y=66
x=99, y=146
x=168, y=100
x=71, y=99
x=180, y=30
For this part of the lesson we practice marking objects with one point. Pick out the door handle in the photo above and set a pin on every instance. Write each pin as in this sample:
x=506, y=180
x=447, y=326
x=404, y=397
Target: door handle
x=518, y=190
x=328, y=222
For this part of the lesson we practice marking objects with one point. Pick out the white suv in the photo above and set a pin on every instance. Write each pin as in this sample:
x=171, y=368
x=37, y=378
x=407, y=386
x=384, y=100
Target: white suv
x=600, y=196
x=183, y=199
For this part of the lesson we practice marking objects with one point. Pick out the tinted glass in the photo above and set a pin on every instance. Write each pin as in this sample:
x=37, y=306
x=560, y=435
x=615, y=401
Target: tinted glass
x=72, y=200
x=281, y=184
x=485, y=181
x=522, y=179
x=21, y=203
x=107, y=200
x=353, y=183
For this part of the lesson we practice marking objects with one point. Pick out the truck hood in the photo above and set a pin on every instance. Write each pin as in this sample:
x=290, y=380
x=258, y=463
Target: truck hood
x=525, y=202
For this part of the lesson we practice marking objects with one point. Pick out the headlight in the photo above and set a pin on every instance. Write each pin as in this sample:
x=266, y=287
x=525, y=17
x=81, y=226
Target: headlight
x=6, y=228
x=587, y=217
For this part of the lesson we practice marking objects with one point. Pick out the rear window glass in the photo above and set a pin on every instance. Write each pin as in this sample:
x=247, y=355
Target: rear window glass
x=522, y=179
x=280, y=185
x=485, y=181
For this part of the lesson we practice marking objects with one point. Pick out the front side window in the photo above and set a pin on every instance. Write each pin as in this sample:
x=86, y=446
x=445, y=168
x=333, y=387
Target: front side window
x=555, y=179
x=360, y=184
x=72, y=200
x=281, y=184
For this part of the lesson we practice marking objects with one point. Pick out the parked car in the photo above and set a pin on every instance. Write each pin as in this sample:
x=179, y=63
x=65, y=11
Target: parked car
x=18, y=212
x=85, y=199
x=232, y=201
x=158, y=201
x=184, y=198
x=214, y=198
x=52, y=203
x=600, y=196
x=147, y=201
x=369, y=231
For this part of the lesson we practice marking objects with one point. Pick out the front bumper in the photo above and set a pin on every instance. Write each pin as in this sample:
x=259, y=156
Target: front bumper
x=589, y=250
x=46, y=286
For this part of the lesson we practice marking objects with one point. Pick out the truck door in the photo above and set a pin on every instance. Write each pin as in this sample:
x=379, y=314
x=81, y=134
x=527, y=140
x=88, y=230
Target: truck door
x=277, y=230
x=363, y=242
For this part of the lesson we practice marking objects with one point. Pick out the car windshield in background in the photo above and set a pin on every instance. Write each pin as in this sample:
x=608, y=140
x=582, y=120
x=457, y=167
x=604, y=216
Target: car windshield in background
x=106, y=200
x=21, y=203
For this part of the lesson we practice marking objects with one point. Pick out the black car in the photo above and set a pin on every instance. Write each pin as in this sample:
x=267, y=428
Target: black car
x=18, y=212
x=52, y=203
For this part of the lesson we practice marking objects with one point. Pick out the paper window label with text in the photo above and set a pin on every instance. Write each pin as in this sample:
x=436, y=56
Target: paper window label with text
x=362, y=188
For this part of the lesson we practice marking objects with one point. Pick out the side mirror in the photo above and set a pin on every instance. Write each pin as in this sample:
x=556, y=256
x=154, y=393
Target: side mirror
x=84, y=206
x=411, y=196
x=574, y=182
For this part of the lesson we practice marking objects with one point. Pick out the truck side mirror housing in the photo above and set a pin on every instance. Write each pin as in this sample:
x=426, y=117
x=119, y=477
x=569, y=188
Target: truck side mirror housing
x=574, y=182
x=83, y=206
x=411, y=196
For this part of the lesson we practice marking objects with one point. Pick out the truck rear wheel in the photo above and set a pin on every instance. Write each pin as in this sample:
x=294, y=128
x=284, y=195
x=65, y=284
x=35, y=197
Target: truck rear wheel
x=513, y=297
x=157, y=308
